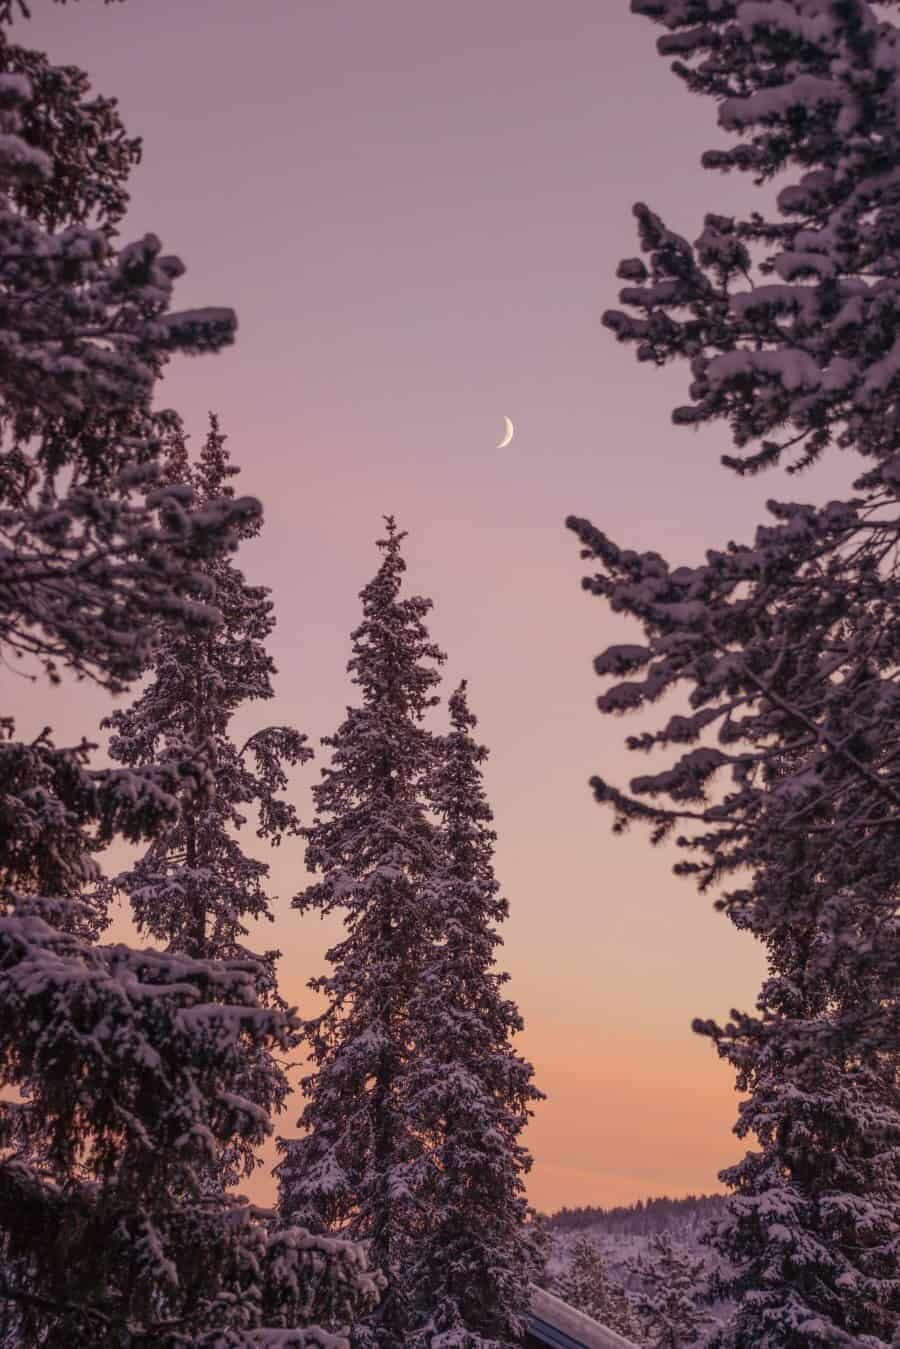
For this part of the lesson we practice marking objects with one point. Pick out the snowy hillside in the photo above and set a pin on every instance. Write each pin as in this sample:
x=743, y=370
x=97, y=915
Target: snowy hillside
x=627, y=1238
x=622, y=1233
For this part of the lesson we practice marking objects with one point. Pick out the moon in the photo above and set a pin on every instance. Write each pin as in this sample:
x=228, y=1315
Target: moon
x=508, y=432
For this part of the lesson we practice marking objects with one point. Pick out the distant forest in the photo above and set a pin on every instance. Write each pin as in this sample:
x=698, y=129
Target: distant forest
x=642, y=1218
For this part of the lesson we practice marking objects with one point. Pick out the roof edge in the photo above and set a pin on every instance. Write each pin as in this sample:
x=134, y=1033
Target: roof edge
x=576, y=1325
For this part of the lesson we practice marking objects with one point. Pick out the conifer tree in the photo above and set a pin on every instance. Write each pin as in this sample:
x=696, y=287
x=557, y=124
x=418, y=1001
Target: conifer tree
x=120, y=1069
x=811, y=1239
x=357, y=1169
x=195, y=888
x=669, y=1296
x=587, y=1285
x=787, y=647
x=467, y=1089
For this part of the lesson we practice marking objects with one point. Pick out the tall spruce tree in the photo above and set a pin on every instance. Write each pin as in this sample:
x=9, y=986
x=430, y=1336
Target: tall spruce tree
x=467, y=1089
x=669, y=1299
x=195, y=888
x=788, y=647
x=587, y=1285
x=811, y=1239
x=357, y=1169
x=120, y=1069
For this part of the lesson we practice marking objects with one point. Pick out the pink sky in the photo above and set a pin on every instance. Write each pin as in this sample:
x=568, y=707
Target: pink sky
x=417, y=210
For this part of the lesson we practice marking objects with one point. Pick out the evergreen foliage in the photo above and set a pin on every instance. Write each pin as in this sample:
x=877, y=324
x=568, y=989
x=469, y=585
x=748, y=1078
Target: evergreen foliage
x=682, y=1217
x=121, y=1070
x=588, y=1286
x=417, y=1100
x=90, y=152
x=785, y=775
x=812, y=1234
x=467, y=1089
x=668, y=1299
x=195, y=888
x=375, y=848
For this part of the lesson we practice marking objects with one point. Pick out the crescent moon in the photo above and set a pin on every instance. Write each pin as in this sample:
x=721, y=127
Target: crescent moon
x=508, y=432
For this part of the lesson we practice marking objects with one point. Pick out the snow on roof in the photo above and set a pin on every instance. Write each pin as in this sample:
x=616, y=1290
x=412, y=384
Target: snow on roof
x=550, y=1314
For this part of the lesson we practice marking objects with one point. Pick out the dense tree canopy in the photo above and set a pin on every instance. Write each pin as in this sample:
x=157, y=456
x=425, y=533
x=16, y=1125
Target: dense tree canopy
x=777, y=773
x=587, y=1285
x=417, y=1099
x=467, y=1089
x=121, y=1070
x=374, y=848
x=195, y=888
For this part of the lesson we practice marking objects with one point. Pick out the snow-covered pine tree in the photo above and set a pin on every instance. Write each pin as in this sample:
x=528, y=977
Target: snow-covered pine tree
x=788, y=647
x=669, y=1297
x=357, y=1168
x=587, y=1285
x=96, y=551
x=118, y=1068
x=466, y=1088
x=195, y=887
x=90, y=151
x=811, y=1236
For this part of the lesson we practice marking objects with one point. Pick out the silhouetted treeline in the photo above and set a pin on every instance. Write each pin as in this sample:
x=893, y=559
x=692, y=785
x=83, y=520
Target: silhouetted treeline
x=642, y=1218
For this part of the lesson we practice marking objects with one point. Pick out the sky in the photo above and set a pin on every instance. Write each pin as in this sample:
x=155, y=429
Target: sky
x=417, y=210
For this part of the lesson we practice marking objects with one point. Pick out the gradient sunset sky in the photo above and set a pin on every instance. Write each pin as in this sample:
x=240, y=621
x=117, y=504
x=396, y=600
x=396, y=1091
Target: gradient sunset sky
x=417, y=209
